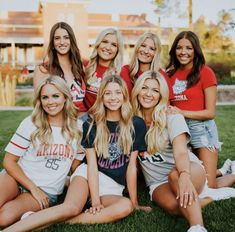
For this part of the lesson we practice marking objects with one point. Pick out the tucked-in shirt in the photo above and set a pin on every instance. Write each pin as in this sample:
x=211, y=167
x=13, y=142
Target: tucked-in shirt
x=115, y=165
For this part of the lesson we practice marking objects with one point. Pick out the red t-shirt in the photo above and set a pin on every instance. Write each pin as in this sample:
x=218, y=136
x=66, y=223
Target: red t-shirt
x=125, y=74
x=93, y=85
x=192, y=98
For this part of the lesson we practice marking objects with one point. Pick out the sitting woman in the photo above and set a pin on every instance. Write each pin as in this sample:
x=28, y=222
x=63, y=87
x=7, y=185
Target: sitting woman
x=174, y=175
x=40, y=153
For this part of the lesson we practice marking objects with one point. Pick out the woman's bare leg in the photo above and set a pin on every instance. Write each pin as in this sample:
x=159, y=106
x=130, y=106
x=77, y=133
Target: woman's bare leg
x=115, y=208
x=75, y=200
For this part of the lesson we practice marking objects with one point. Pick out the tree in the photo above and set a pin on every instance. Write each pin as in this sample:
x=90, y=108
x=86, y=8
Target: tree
x=166, y=7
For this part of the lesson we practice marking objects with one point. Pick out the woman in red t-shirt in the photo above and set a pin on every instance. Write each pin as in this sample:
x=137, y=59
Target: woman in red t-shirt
x=106, y=58
x=146, y=56
x=64, y=60
x=194, y=88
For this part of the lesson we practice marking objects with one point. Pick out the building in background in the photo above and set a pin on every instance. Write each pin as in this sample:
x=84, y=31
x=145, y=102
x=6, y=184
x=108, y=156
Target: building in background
x=24, y=35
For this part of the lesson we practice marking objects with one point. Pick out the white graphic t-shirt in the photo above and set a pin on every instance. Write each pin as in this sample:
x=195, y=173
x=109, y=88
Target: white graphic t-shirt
x=47, y=165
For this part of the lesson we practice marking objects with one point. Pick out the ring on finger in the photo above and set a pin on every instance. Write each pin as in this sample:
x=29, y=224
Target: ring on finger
x=186, y=193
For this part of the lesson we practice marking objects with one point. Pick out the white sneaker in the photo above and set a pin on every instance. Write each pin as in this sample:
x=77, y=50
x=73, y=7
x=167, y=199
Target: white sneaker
x=197, y=228
x=26, y=214
x=217, y=194
x=233, y=167
x=226, y=168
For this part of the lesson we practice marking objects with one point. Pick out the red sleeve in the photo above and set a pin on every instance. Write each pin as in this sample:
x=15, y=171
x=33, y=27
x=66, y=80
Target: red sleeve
x=208, y=77
x=125, y=74
x=171, y=94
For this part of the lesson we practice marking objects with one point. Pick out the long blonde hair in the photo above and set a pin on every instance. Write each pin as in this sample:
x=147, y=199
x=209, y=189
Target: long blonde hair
x=125, y=125
x=157, y=136
x=43, y=130
x=116, y=63
x=155, y=64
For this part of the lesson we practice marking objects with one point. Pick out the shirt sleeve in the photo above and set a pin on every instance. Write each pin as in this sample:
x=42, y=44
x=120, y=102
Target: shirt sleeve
x=21, y=141
x=208, y=77
x=164, y=74
x=176, y=125
x=139, y=143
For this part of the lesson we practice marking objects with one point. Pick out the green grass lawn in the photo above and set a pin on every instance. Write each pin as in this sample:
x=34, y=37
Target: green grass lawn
x=218, y=216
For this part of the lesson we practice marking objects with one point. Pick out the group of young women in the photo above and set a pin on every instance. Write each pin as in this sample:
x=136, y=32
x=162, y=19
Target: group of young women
x=97, y=119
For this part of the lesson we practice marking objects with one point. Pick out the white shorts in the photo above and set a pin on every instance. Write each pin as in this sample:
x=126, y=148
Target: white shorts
x=193, y=158
x=153, y=187
x=107, y=186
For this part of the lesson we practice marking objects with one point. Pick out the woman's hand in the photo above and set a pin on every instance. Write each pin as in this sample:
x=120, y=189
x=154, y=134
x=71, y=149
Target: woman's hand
x=41, y=197
x=95, y=209
x=173, y=110
x=187, y=193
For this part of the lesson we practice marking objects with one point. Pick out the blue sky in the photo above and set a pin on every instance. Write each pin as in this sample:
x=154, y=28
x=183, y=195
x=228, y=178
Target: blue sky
x=208, y=8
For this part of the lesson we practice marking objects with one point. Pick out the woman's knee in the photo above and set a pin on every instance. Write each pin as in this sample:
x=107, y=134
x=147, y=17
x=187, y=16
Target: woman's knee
x=170, y=206
x=71, y=210
x=123, y=209
x=7, y=218
x=173, y=176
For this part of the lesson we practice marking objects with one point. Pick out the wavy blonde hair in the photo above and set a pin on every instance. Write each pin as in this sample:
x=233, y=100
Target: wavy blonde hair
x=116, y=63
x=125, y=124
x=157, y=135
x=155, y=64
x=43, y=130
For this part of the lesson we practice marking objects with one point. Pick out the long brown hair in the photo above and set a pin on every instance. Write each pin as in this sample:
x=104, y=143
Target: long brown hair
x=53, y=65
x=198, y=61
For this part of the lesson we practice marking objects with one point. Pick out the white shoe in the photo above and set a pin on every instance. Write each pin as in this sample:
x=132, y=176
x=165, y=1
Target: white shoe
x=197, y=228
x=233, y=167
x=226, y=168
x=218, y=194
x=26, y=214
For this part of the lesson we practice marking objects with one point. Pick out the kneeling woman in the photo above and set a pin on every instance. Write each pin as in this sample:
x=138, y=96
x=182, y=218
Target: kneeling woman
x=173, y=174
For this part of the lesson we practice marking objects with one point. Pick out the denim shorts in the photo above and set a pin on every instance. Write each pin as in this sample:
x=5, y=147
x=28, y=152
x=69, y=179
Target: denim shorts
x=53, y=199
x=204, y=134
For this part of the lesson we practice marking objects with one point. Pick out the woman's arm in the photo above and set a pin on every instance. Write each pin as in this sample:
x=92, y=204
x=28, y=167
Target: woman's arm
x=93, y=180
x=39, y=75
x=210, y=106
x=131, y=177
x=10, y=163
x=186, y=190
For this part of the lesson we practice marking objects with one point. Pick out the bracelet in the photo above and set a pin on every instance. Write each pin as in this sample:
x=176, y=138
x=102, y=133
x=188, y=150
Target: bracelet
x=184, y=171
